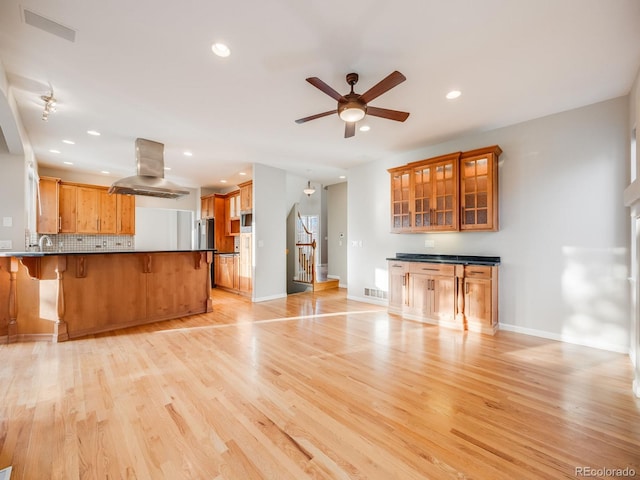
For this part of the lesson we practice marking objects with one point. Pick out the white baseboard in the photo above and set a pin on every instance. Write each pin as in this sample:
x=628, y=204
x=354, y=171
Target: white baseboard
x=373, y=301
x=271, y=297
x=564, y=338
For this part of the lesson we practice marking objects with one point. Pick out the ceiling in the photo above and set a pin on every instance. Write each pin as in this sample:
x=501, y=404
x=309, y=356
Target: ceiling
x=145, y=68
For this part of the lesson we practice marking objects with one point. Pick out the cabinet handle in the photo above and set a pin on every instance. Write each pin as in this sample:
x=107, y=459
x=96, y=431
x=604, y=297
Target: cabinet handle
x=431, y=269
x=466, y=288
x=476, y=271
x=397, y=266
x=59, y=223
x=433, y=284
x=404, y=280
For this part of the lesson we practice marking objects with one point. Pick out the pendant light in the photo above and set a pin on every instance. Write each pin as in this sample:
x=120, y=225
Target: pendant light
x=309, y=190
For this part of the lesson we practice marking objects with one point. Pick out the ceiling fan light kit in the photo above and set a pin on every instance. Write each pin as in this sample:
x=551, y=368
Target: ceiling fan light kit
x=352, y=107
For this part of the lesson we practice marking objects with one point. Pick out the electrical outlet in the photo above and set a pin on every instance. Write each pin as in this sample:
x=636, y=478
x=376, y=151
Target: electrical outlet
x=5, y=245
x=429, y=243
x=7, y=221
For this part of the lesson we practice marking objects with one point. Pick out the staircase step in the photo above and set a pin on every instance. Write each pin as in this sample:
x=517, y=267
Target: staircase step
x=326, y=284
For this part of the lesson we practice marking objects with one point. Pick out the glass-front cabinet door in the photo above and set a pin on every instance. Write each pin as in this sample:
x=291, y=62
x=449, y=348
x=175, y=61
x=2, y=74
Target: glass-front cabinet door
x=445, y=193
x=400, y=200
x=478, y=189
x=435, y=188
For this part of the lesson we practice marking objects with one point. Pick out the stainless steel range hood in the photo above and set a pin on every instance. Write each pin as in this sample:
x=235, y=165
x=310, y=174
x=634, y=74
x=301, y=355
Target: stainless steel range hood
x=150, y=179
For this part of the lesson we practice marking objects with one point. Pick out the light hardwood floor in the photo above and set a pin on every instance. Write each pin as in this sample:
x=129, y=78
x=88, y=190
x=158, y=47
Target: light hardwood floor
x=312, y=386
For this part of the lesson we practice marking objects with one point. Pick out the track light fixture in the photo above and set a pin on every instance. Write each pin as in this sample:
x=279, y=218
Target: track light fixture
x=49, y=105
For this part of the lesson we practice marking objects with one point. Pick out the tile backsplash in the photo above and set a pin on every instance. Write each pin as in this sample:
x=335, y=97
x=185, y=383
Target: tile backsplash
x=69, y=242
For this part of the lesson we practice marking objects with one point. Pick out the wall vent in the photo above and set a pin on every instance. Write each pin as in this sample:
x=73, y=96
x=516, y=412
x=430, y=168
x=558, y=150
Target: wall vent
x=375, y=293
x=49, y=26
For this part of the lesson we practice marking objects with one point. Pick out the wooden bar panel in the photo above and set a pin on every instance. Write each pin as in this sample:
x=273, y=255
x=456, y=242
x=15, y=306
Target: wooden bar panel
x=4, y=296
x=69, y=296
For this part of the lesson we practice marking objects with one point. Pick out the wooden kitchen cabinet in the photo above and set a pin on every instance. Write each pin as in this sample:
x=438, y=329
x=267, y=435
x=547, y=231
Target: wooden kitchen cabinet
x=89, y=209
x=398, y=286
x=207, y=209
x=125, y=214
x=47, y=206
x=400, y=199
x=226, y=272
x=246, y=196
x=68, y=208
x=435, y=194
x=232, y=210
x=479, y=189
x=480, y=298
x=457, y=191
x=432, y=292
x=223, y=243
x=108, y=215
x=456, y=296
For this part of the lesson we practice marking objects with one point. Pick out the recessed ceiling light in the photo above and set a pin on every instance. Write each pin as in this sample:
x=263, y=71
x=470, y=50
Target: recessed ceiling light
x=342, y=177
x=167, y=168
x=105, y=172
x=68, y=163
x=365, y=128
x=54, y=151
x=94, y=133
x=188, y=154
x=223, y=181
x=453, y=94
x=69, y=142
x=220, y=49
x=242, y=173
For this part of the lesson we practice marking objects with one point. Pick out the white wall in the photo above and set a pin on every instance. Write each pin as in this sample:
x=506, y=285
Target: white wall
x=564, y=232
x=16, y=155
x=337, y=232
x=12, y=199
x=632, y=199
x=269, y=233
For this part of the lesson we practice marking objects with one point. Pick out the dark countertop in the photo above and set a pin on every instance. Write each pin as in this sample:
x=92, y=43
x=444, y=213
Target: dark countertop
x=226, y=253
x=455, y=259
x=98, y=251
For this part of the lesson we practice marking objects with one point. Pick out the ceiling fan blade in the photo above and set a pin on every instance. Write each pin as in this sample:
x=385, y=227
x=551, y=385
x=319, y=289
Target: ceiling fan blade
x=349, y=129
x=320, y=85
x=382, y=86
x=317, y=115
x=386, y=113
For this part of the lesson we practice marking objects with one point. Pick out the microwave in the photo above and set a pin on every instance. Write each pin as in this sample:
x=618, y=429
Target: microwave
x=246, y=222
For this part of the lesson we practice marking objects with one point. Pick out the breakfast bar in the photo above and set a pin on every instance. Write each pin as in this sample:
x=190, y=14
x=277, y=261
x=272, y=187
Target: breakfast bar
x=65, y=295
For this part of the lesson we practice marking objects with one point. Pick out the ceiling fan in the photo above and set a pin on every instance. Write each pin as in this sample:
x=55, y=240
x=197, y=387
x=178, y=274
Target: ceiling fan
x=352, y=107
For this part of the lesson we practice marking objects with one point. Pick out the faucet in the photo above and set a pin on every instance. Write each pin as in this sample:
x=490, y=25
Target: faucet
x=41, y=241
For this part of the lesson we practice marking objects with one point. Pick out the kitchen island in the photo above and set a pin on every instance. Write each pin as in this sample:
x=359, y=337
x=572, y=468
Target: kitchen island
x=63, y=295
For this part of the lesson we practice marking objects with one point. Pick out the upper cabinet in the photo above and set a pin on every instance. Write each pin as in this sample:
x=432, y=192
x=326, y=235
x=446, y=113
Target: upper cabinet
x=86, y=209
x=479, y=189
x=246, y=196
x=457, y=191
x=232, y=207
x=207, y=206
x=47, y=205
x=126, y=214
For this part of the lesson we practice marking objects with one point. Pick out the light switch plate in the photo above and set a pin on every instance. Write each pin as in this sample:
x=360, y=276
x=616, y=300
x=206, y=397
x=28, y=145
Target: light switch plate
x=429, y=243
x=7, y=221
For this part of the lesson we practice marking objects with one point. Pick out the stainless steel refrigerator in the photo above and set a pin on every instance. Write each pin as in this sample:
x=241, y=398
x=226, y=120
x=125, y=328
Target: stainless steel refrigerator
x=206, y=240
